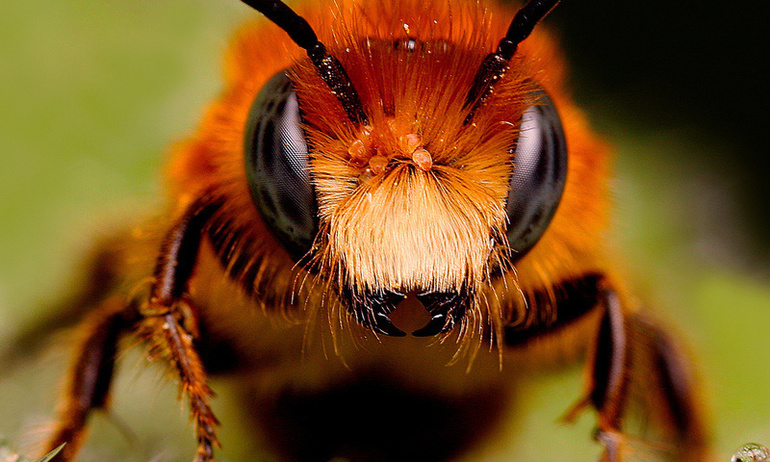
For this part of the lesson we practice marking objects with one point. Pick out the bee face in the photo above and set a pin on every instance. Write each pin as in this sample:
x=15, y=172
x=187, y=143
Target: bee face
x=411, y=150
x=418, y=199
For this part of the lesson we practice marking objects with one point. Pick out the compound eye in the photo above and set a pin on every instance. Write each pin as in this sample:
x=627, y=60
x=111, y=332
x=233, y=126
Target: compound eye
x=538, y=176
x=278, y=168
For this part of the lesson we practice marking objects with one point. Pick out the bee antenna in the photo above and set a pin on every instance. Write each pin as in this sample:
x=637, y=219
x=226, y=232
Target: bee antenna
x=328, y=67
x=495, y=64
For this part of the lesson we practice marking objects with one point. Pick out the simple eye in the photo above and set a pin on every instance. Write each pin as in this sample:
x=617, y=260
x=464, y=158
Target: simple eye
x=538, y=176
x=277, y=166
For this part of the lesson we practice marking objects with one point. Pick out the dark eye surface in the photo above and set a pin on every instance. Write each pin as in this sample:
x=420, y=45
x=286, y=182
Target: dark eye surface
x=277, y=166
x=538, y=176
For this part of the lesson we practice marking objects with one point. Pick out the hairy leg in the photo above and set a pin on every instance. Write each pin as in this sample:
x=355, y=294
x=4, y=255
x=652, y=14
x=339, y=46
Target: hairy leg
x=91, y=374
x=638, y=365
x=636, y=371
x=166, y=320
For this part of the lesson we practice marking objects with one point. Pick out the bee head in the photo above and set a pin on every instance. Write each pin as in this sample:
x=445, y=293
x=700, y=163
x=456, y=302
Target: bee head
x=425, y=184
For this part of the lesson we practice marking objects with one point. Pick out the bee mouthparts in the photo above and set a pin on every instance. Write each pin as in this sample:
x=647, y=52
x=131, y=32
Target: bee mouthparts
x=372, y=311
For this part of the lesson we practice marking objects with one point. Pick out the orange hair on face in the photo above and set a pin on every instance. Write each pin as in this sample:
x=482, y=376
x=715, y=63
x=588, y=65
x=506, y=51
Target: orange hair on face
x=393, y=218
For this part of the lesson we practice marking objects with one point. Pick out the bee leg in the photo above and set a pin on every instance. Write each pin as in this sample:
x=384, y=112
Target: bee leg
x=609, y=378
x=170, y=320
x=170, y=340
x=91, y=374
x=674, y=402
x=636, y=357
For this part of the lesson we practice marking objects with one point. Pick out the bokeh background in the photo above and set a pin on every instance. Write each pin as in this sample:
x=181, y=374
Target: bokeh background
x=92, y=94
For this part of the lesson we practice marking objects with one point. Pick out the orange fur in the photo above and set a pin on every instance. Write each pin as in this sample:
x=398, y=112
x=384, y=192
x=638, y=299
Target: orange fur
x=414, y=201
x=463, y=192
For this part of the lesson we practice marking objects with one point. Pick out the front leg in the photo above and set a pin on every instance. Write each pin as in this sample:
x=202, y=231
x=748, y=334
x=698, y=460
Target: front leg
x=169, y=322
x=610, y=373
x=634, y=363
x=169, y=340
x=166, y=320
x=91, y=374
x=637, y=360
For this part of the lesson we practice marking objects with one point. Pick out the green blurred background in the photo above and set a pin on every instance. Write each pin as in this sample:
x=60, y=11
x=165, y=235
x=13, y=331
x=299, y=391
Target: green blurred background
x=92, y=93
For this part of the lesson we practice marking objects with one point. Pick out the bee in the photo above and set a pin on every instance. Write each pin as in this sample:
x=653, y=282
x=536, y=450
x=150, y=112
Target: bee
x=383, y=219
